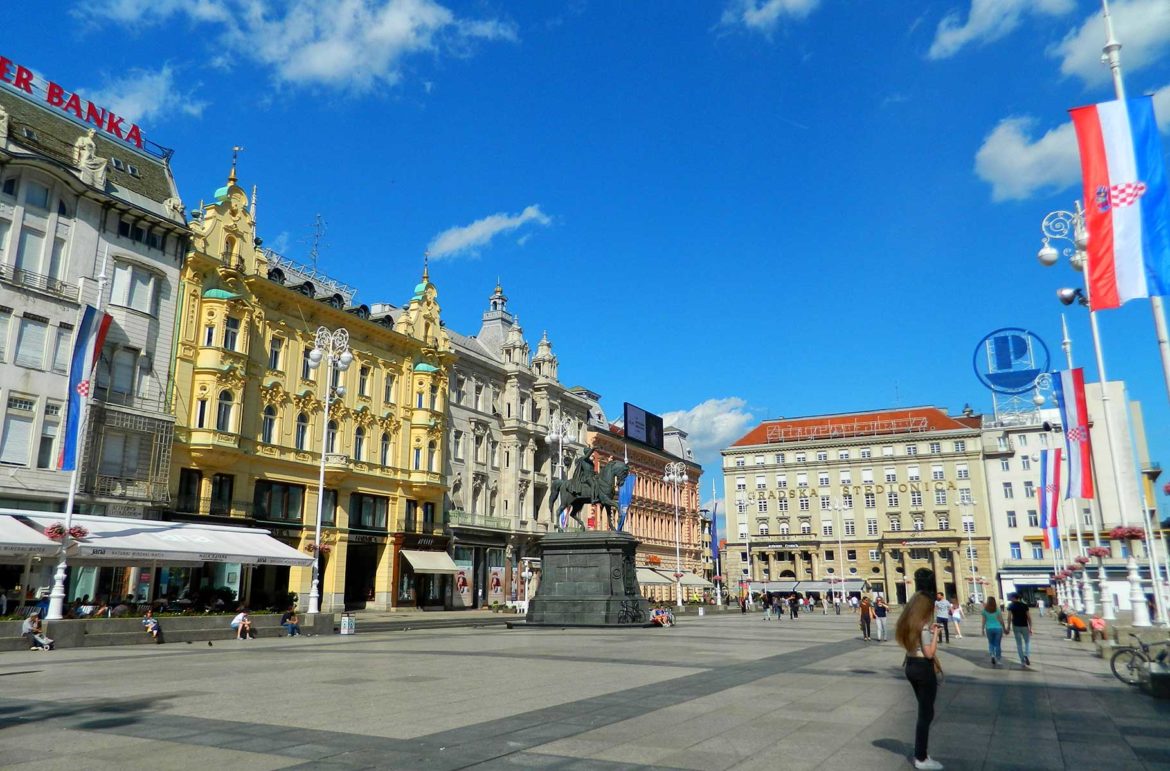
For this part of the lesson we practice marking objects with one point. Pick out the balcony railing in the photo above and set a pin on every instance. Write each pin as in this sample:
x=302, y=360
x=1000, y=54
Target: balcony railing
x=458, y=518
x=136, y=401
x=130, y=489
x=37, y=281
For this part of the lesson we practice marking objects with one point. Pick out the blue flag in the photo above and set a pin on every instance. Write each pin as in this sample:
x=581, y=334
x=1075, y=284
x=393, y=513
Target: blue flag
x=625, y=497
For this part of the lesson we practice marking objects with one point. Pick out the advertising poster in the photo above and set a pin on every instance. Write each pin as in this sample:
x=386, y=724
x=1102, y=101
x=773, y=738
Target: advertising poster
x=495, y=585
x=462, y=592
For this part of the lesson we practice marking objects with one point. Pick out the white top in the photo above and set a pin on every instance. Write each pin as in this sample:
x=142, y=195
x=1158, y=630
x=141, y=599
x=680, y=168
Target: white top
x=942, y=608
x=239, y=619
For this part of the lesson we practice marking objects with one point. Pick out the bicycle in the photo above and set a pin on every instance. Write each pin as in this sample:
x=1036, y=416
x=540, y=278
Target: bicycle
x=1128, y=662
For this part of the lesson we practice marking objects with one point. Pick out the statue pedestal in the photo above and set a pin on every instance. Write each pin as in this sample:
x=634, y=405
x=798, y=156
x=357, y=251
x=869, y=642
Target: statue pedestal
x=588, y=579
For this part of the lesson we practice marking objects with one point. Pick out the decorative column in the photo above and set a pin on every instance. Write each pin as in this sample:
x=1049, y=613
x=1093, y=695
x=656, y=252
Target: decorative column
x=1090, y=602
x=1137, y=599
x=940, y=584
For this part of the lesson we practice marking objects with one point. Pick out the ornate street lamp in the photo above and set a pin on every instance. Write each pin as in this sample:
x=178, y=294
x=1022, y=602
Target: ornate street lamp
x=332, y=347
x=675, y=476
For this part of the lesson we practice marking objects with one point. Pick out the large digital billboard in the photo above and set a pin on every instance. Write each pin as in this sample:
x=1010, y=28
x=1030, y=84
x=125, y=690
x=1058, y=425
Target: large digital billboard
x=645, y=427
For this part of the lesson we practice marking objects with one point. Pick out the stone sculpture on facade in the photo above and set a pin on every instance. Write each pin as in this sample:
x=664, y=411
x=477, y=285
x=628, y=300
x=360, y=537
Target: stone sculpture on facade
x=85, y=158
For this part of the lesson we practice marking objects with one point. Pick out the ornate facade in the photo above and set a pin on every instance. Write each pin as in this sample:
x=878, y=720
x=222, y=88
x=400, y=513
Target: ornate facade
x=499, y=459
x=251, y=430
x=886, y=501
x=85, y=219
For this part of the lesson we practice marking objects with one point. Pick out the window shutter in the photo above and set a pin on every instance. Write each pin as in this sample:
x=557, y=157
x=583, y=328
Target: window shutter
x=14, y=445
x=30, y=349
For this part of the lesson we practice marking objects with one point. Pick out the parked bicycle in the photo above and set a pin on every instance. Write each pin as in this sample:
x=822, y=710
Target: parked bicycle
x=1127, y=662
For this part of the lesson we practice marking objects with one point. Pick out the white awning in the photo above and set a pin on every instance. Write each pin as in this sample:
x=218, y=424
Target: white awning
x=18, y=539
x=137, y=541
x=430, y=561
x=690, y=579
x=648, y=577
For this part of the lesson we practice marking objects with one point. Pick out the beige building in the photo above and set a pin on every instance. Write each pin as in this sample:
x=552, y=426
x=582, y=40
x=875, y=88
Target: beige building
x=884, y=501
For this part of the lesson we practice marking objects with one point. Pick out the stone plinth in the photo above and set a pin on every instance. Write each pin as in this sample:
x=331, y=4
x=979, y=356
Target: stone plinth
x=588, y=579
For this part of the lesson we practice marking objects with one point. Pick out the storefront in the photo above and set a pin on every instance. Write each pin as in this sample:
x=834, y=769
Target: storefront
x=147, y=560
x=363, y=554
x=423, y=571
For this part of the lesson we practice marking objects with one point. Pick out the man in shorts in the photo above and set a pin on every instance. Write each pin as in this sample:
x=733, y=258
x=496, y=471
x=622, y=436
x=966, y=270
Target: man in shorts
x=942, y=614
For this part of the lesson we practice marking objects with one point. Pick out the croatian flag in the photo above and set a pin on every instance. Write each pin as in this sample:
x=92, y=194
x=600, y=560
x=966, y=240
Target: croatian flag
x=1069, y=385
x=625, y=498
x=87, y=347
x=1126, y=200
x=1049, y=493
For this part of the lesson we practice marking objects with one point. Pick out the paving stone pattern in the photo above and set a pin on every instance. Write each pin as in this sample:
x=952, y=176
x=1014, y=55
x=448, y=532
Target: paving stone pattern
x=719, y=692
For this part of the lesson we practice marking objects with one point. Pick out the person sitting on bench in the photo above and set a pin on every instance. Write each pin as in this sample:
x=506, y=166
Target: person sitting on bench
x=152, y=627
x=243, y=625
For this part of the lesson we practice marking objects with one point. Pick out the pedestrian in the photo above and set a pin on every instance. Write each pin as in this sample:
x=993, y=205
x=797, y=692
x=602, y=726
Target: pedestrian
x=956, y=616
x=291, y=622
x=32, y=631
x=242, y=625
x=919, y=638
x=152, y=627
x=767, y=607
x=824, y=606
x=1097, y=625
x=880, y=610
x=853, y=602
x=794, y=606
x=867, y=616
x=942, y=615
x=837, y=604
x=742, y=604
x=993, y=630
x=1020, y=624
x=1040, y=607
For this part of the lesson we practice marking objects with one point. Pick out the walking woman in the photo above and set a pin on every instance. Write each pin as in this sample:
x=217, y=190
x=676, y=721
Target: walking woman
x=881, y=609
x=956, y=616
x=918, y=636
x=993, y=629
x=867, y=616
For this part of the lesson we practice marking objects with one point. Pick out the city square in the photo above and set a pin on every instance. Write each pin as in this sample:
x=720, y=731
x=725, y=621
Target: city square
x=724, y=691
x=834, y=307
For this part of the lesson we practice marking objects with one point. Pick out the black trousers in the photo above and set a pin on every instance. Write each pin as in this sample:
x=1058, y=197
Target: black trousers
x=865, y=626
x=946, y=628
x=920, y=673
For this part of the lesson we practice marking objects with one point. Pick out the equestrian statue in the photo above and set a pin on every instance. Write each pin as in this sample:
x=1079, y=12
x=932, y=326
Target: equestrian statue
x=588, y=486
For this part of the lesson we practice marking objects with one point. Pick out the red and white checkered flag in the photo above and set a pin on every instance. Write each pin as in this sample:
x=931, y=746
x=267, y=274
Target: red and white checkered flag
x=83, y=388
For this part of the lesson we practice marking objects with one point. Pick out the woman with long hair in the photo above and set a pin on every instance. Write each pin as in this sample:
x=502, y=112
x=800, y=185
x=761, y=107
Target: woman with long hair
x=918, y=635
x=867, y=616
x=993, y=629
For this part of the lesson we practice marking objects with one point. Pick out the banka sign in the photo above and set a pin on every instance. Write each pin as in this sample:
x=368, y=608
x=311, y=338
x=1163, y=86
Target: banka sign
x=23, y=79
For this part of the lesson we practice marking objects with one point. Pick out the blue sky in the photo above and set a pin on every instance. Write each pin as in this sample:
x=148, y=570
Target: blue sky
x=721, y=211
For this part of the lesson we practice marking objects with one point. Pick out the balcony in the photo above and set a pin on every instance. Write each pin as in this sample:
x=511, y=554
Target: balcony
x=130, y=489
x=133, y=401
x=457, y=518
x=37, y=282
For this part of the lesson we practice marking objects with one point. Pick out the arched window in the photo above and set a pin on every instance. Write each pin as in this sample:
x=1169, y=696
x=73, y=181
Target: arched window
x=223, y=413
x=384, y=452
x=302, y=434
x=331, y=437
x=359, y=443
x=268, y=425
x=431, y=456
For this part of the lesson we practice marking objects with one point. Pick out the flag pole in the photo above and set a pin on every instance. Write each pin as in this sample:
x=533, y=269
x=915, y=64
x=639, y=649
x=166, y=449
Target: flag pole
x=1088, y=601
x=715, y=541
x=57, y=595
x=1112, y=52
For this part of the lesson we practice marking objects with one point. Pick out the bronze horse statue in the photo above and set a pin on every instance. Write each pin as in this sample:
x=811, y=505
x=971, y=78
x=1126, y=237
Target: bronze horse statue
x=600, y=488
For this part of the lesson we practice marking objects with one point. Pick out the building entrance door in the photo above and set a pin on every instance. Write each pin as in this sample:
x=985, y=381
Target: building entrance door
x=361, y=565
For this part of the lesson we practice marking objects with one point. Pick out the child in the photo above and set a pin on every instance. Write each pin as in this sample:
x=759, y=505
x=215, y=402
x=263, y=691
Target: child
x=152, y=627
x=1097, y=624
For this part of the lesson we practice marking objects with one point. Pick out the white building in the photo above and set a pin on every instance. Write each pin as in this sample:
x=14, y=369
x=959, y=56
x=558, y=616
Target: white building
x=499, y=463
x=79, y=202
x=1011, y=447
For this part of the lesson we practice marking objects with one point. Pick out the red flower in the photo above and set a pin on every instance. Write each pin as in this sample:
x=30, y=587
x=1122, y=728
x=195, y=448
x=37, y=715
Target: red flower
x=1099, y=551
x=1081, y=560
x=1127, y=534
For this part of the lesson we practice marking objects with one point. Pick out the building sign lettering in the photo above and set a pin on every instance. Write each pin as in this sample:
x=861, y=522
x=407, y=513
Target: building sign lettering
x=108, y=121
x=810, y=492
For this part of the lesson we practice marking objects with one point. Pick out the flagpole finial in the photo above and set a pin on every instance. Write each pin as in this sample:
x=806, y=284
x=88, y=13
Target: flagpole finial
x=235, y=158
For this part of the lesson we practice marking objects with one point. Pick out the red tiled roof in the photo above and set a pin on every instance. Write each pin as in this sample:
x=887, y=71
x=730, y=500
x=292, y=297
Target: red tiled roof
x=876, y=423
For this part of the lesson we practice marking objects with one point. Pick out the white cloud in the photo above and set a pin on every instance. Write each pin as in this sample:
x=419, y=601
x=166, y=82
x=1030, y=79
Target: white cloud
x=1018, y=166
x=355, y=44
x=468, y=238
x=1142, y=26
x=987, y=21
x=145, y=95
x=712, y=425
x=764, y=15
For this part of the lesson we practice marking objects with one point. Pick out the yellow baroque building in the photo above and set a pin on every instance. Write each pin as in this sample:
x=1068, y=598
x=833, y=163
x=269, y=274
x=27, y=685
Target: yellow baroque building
x=250, y=430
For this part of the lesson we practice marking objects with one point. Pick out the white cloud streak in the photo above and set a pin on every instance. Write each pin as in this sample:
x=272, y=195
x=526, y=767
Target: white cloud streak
x=467, y=239
x=987, y=21
x=712, y=425
x=765, y=15
x=352, y=44
x=1142, y=26
x=145, y=95
x=1018, y=165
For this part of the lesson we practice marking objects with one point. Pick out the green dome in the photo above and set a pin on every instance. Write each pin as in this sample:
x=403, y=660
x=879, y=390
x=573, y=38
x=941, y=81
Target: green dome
x=422, y=366
x=219, y=294
x=222, y=193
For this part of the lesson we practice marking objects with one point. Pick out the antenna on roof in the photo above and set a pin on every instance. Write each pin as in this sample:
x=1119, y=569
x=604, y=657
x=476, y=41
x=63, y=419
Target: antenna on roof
x=317, y=240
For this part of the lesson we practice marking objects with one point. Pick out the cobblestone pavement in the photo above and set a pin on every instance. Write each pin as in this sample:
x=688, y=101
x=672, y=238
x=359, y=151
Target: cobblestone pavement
x=719, y=692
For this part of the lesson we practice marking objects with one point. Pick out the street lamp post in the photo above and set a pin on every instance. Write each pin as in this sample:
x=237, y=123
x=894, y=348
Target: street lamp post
x=558, y=432
x=675, y=476
x=1058, y=225
x=333, y=348
x=969, y=528
x=839, y=507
